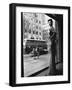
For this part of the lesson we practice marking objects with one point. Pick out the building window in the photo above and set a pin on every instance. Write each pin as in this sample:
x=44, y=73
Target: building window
x=32, y=37
x=36, y=27
x=39, y=38
x=39, y=22
x=25, y=30
x=33, y=32
x=25, y=36
x=40, y=28
x=37, y=32
x=30, y=31
x=40, y=33
x=35, y=15
x=36, y=21
x=31, y=18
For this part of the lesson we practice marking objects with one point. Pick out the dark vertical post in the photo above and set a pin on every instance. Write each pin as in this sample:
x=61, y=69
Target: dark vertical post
x=53, y=70
x=60, y=29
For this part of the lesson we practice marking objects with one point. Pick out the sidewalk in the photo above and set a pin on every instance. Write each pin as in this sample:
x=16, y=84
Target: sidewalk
x=32, y=66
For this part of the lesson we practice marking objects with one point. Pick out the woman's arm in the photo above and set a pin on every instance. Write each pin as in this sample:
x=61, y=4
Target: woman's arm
x=52, y=35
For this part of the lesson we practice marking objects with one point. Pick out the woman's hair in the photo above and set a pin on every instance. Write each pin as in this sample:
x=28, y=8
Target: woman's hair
x=50, y=20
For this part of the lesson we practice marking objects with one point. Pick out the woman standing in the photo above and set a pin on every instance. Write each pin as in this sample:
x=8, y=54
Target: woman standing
x=53, y=47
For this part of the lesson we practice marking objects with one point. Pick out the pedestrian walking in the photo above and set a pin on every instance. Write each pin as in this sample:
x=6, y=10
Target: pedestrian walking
x=38, y=52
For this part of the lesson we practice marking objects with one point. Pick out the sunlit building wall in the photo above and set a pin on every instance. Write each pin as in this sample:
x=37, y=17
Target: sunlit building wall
x=32, y=25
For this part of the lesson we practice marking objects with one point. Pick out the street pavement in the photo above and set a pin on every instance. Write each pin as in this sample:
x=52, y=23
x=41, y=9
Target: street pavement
x=32, y=65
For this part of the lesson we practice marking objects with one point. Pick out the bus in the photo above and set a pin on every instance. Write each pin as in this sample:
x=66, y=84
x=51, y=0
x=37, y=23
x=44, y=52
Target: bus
x=29, y=44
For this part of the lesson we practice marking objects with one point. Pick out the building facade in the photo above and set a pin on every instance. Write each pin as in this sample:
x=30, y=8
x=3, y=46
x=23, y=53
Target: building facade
x=35, y=26
x=32, y=26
